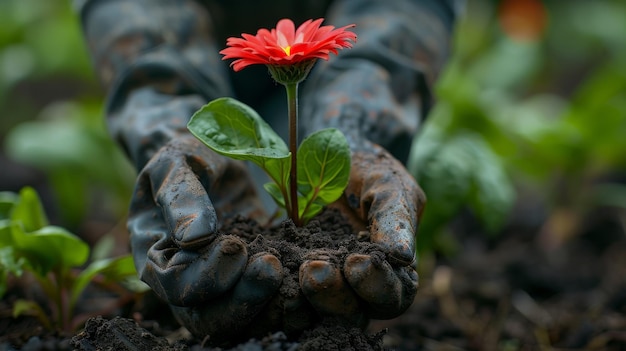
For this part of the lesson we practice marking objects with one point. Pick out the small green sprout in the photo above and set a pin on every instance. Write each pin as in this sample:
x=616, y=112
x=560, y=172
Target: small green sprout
x=54, y=257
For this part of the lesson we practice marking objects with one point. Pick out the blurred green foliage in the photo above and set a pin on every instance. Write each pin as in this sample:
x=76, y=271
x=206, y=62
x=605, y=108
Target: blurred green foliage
x=39, y=41
x=51, y=110
x=79, y=158
x=52, y=255
x=545, y=114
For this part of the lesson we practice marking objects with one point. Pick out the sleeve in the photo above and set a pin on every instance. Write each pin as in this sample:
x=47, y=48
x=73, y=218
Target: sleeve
x=381, y=89
x=163, y=44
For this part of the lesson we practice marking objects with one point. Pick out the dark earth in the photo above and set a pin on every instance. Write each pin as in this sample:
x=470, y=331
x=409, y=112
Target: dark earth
x=518, y=290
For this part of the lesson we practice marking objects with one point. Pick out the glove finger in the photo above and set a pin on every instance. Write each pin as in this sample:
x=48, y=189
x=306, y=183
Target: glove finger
x=179, y=193
x=146, y=227
x=260, y=280
x=393, y=226
x=234, y=194
x=388, y=291
x=329, y=293
x=190, y=277
x=146, y=224
x=390, y=199
x=223, y=319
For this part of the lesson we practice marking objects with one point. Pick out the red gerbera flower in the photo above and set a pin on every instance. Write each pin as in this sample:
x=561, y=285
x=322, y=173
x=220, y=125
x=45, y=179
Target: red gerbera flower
x=287, y=46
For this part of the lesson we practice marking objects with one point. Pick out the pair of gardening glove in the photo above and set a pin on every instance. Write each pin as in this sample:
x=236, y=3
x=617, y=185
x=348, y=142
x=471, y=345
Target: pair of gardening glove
x=160, y=64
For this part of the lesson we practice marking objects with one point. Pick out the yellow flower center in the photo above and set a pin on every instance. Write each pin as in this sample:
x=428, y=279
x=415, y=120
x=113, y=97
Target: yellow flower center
x=287, y=50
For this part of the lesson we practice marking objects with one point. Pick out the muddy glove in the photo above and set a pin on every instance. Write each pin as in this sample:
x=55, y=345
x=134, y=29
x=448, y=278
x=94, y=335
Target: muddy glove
x=159, y=64
x=376, y=94
x=181, y=194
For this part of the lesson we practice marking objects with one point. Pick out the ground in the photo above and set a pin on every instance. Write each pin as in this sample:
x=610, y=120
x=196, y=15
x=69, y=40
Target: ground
x=514, y=291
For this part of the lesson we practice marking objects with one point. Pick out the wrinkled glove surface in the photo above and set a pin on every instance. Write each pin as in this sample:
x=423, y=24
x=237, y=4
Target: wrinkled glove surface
x=382, y=196
x=377, y=94
x=183, y=188
x=182, y=193
x=159, y=63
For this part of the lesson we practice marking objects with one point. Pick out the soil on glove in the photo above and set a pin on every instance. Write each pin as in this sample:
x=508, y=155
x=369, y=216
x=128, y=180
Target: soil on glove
x=513, y=291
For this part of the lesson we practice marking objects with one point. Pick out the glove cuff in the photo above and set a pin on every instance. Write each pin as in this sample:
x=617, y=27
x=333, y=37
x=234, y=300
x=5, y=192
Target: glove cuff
x=163, y=44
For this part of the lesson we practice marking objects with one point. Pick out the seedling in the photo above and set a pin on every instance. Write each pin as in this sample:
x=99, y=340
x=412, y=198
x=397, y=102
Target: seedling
x=54, y=257
x=305, y=177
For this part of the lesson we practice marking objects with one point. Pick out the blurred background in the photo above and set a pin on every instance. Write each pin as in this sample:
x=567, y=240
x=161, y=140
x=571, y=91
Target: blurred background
x=529, y=128
x=52, y=131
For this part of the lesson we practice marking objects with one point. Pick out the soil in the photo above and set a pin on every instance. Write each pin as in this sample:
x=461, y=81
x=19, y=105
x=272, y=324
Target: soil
x=514, y=291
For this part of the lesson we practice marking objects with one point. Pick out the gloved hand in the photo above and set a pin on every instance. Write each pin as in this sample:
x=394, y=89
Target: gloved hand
x=381, y=195
x=181, y=195
x=381, y=285
x=377, y=93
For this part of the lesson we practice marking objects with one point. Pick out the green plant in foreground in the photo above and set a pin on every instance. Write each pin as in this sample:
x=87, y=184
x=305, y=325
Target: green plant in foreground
x=53, y=255
x=305, y=177
x=233, y=129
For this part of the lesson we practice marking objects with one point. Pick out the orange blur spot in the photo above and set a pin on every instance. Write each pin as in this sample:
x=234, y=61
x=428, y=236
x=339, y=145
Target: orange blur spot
x=523, y=20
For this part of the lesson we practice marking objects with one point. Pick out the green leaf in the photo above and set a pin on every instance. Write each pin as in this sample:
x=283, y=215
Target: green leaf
x=277, y=169
x=6, y=237
x=133, y=283
x=309, y=208
x=31, y=308
x=87, y=160
x=29, y=211
x=493, y=193
x=7, y=202
x=274, y=190
x=39, y=246
x=113, y=269
x=456, y=171
x=8, y=265
x=103, y=248
x=323, y=170
x=48, y=248
x=234, y=129
x=444, y=173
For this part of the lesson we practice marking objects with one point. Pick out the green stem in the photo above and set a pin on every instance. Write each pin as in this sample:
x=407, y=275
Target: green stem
x=62, y=298
x=46, y=283
x=56, y=296
x=292, y=103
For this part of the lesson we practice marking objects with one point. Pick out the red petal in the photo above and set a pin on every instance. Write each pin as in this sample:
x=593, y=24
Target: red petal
x=310, y=40
x=285, y=32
